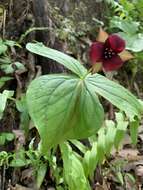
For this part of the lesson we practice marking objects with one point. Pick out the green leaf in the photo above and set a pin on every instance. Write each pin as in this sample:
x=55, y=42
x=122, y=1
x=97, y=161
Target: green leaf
x=59, y=188
x=68, y=61
x=73, y=170
x=134, y=42
x=3, y=80
x=3, y=48
x=7, y=68
x=6, y=137
x=130, y=177
x=21, y=106
x=4, y=157
x=141, y=103
x=2, y=140
x=9, y=136
x=90, y=160
x=121, y=129
x=110, y=136
x=5, y=60
x=3, y=99
x=79, y=145
x=130, y=32
x=120, y=177
x=41, y=172
x=19, y=159
x=19, y=66
x=116, y=94
x=101, y=145
x=134, y=125
x=10, y=43
x=127, y=26
x=64, y=107
x=17, y=162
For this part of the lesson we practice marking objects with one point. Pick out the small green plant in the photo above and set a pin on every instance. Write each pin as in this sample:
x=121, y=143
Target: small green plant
x=127, y=21
x=120, y=176
x=8, y=65
x=3, y=100
x=24, y=158
x=6, y=137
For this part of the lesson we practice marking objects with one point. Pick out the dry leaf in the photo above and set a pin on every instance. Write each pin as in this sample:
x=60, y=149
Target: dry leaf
x=96, y=67
x=129, y=154
x=126, y=55
x=102, y=35
x=101, y=187
x=20, y=187
x=20, y=138
x=139, y=171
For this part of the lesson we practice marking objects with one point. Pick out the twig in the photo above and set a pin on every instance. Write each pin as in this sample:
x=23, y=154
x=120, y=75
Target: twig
x=3, y=178
x=39, y=71
x=31, y=30
x=4, y=21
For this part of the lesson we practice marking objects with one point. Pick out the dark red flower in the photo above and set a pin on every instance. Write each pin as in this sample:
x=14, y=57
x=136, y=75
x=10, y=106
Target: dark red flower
x=106, y=51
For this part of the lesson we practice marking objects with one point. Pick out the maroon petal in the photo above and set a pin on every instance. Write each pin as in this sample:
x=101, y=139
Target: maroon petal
x=116, y=43
x=96, y=52
x=112, y=64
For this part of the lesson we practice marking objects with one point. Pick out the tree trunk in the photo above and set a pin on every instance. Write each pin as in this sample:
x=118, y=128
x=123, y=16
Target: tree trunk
x=42, y=19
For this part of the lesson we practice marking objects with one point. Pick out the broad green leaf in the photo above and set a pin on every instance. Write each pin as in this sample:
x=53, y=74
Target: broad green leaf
x=141, y=102
x=127, y=26
x=3, y=80
x=116, y=94
x=110, y=136
x=19, y=66
x=41, y=172
x=3, y=99
x=5, y=60
x=134, y=39
x=3, y=47
x=10, y=43
x=17, y=162
x=21, y=106
x=79, y=145
x=8, y=136
x=134, y=125
x=7, y=68
x=68, y=61
x=120, y=177
x=131, y=177
x=134, y=42
x=2, y=140
x=59, y=188
x=19, y=159
x=101, y=145
x=73, y=170
x=63, y=107
x=90, y=160
x=121, y=121
x=128, y=6
x=121, y=129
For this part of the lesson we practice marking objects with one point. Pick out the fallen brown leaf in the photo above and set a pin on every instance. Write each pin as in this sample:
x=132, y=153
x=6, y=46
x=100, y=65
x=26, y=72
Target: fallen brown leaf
x=102, y=36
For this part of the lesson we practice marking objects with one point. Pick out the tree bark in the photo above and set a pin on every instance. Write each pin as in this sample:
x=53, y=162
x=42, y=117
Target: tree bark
x=42, y=19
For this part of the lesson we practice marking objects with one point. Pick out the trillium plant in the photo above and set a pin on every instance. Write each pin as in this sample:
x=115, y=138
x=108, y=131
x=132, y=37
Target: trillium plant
x=67, y=106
